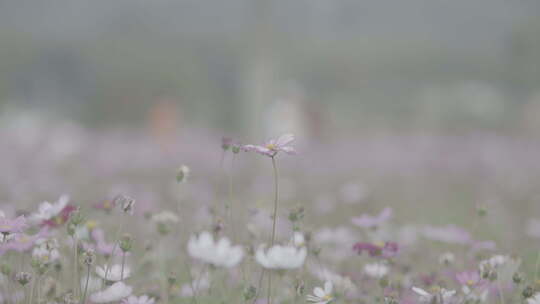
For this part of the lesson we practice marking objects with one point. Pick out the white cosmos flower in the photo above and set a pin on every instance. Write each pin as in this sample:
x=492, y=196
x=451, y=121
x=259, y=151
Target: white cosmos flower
x=320, y=295
x=144, y=299
x=535, y=299
x=113, y=293
x=220, y=253
x=94, y=283
x=114, y=273
x=443, y=296
x=46, y=210
x=281, y=257
x=298, y=239
x=376, y=270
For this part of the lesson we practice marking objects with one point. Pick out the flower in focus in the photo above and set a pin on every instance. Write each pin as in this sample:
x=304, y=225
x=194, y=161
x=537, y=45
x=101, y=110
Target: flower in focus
x=281, y=257
x=440, y=296
x=113, y=273
x=220, y=253
x=376, y=270
x=320, y=295
x=16, y=225
x=274, y=146
x=370, y=222
x=113, y=293
x=144, y=299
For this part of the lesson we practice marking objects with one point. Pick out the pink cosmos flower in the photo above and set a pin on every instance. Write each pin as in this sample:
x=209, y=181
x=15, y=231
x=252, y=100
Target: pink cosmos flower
x=16, y=225
x=22, y=242
x=468, y=278
x=102, y=247
x=368, y=221
x=273, y=146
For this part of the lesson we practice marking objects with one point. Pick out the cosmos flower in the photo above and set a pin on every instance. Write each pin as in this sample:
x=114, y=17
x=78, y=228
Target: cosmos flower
x=144, y=299
x=55, y=214
x=113, y=273
x=16, y=225
x=535, y=299
x=113, y=293
x=320, y=295
x=272, y=147
x=469, y=278
x=22, y=242
x=220, y=253
x=385, y=250
x=376, y=270
x=441, y=296
x=46, y=251
x=369, y=222
x=281, y=257
x=102, y=246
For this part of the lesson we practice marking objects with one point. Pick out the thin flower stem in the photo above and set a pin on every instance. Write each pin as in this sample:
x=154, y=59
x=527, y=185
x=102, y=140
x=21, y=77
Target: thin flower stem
x=123, y=265
x=537, y=267
x=500, y=291
x=83, y=299
x=230, y=213
x=75, y=264
x=276, y=193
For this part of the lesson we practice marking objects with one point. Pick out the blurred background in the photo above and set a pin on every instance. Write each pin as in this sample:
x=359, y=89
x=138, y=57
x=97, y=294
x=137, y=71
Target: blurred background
x=433, y=104
x=316, y=66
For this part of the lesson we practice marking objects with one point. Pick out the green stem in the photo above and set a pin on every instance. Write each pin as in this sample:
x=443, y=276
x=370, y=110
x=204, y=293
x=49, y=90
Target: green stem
x=500, y=291
x=537, y=267
x=83, y=299
x=123, y=265
x=274, y=223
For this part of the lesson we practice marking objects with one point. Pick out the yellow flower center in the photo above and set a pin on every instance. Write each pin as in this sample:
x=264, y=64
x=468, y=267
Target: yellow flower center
x=327, y=297
x=470, y=282
x=90, y=224
x=271, y=147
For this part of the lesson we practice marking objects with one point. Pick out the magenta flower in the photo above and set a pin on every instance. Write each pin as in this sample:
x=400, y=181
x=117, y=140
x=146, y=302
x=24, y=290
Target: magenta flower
x=368, y=221
x=60, y=218
x=386, y=250
x=273, y=146
x=8, y=226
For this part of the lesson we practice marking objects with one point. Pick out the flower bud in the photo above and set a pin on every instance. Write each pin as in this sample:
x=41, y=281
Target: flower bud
x=250, y=293
x=517, y=278
x=182, y=174
x=126, y=243
x=23, y=278
x=89, y=257
x=527, y=292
